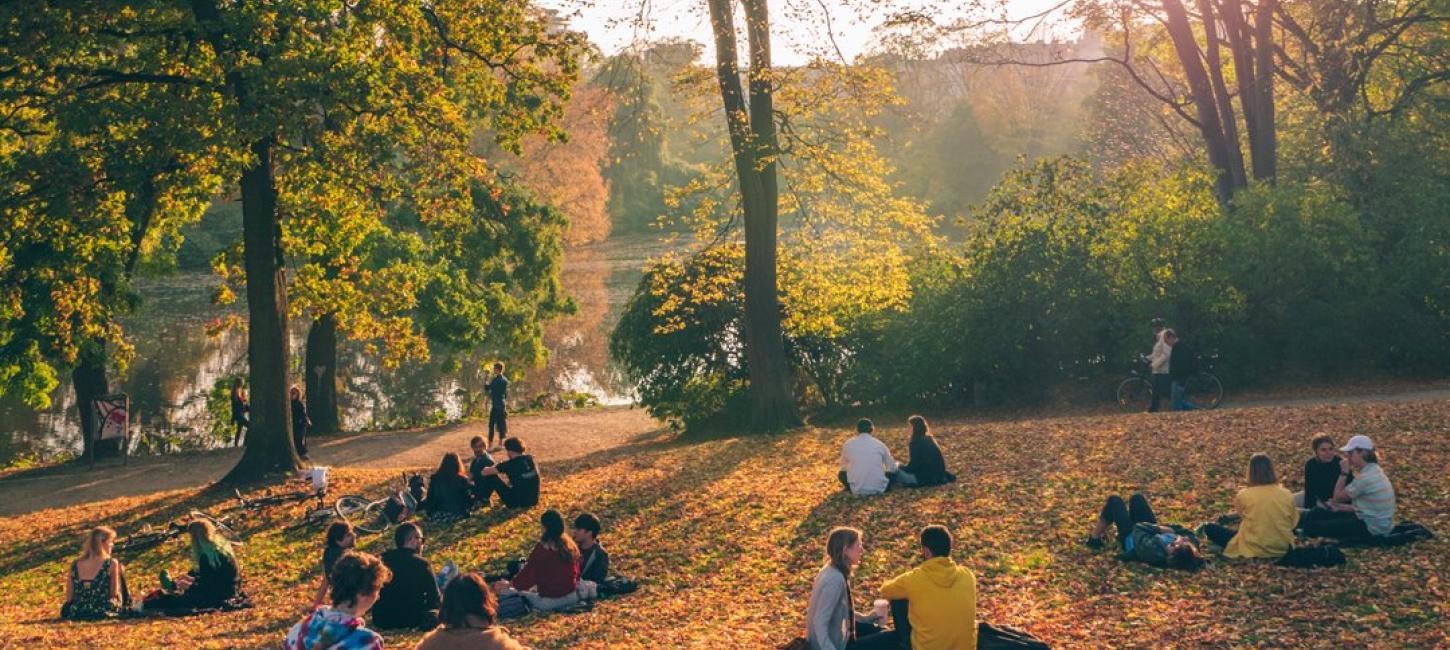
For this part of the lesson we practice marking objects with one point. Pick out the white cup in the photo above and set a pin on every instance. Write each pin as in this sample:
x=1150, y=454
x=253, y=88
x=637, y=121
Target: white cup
x=881, y=608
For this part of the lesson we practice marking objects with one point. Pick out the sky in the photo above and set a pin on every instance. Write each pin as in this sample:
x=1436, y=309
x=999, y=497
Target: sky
x=800, y=28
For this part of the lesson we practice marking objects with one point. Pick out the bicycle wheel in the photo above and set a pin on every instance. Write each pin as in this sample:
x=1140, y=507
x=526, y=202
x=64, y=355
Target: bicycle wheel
x=374, y=519
x=1203, y=391
x=221, y=527
x=1135, y=394
x=350, y=506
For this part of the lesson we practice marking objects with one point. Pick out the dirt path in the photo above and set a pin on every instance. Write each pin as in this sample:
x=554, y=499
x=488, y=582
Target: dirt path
x=550, y=437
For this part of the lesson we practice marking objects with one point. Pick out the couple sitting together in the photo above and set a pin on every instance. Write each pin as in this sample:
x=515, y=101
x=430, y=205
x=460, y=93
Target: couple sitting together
x=452, y=493
x=1359, y=506
x=96, y=582
x=867, y=467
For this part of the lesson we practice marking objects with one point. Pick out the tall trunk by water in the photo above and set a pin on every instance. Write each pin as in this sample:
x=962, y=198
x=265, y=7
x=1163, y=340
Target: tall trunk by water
x=321, y=371
x=89, y=379
x=752, y=141
x=269, y=446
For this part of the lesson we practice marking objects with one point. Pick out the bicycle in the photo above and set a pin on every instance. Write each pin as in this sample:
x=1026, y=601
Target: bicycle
x=149, y=538
x=375, y=516
x=320, y=514
x=1203, y=390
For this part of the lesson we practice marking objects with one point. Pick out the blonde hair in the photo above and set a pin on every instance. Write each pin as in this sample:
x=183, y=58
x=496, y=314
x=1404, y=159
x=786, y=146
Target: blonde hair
x=1261, y=470
x=837, y=541
x=95, y=541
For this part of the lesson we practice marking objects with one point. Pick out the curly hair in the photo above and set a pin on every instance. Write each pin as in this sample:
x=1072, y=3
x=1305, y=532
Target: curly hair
x=357, y=574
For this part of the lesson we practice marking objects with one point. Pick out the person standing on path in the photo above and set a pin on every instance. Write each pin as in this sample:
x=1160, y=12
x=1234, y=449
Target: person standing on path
x=1182, y=365
x=239, y=410
x=300, y=422
x=498, y=389
x=1158, y=365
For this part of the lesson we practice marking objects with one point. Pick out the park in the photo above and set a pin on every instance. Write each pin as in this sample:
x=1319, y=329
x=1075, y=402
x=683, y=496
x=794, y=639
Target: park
x=839, y=324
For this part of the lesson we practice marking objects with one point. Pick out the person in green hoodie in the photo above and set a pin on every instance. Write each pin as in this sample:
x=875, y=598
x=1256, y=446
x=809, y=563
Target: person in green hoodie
x=941, y=597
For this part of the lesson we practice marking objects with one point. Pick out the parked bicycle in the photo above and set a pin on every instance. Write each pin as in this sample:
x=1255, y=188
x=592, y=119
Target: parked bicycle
x=1203, y=390
x=321, y=513
x=377, y=515
x=149, y=537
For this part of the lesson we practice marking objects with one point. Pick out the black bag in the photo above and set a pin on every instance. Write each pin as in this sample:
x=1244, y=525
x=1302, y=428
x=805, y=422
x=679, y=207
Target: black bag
x=1314, y=555
x=1002, y=637
x=512, y=605
x=616, y=585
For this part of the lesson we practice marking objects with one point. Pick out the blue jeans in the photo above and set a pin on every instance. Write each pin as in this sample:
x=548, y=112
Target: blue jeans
x=1179, y=403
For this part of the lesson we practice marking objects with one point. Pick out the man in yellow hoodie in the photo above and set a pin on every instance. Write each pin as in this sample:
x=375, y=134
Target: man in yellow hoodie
x=941, y=596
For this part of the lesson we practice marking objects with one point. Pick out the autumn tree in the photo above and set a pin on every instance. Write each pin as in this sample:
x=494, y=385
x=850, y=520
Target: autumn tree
x=753, y=144
x=416, y=79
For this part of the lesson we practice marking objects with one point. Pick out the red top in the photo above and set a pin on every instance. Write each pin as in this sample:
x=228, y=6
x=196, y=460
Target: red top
x=549, y=571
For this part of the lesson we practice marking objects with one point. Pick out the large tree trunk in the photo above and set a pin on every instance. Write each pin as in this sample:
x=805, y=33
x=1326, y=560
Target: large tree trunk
x=1265, y=141
x=1226, y=115
x=753, y=144
x=1199, y=87
x=89, y=379
x=321, y=371
x=269, y=446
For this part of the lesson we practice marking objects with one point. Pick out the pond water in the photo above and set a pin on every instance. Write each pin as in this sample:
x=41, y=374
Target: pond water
x=177, y=363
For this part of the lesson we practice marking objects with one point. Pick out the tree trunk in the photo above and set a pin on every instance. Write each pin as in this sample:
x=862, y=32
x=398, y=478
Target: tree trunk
x=89, y=380
x=269, y=446
x=772, y=407
x=321, y=371
x=1228, y=119
x=1209, y=124
x=1265, y=143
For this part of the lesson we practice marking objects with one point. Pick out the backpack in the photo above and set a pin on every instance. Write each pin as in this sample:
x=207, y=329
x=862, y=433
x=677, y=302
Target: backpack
x=1002, y=637
x=512, y=605
x=616, y=585
x=1314, y=555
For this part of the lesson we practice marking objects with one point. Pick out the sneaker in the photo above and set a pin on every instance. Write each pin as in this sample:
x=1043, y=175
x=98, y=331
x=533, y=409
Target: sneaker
x=1094, y=543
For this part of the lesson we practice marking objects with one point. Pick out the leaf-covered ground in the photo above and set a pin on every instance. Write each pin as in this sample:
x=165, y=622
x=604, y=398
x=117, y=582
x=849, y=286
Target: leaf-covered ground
x=725, y=536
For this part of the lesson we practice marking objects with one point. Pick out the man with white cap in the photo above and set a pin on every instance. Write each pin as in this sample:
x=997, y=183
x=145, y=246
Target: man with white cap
x=1360, y=508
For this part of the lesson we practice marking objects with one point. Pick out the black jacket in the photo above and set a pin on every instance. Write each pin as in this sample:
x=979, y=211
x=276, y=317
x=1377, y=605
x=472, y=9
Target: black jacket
x=927, y=464
x=447, y=494
x=410, y=599
x=1182, y=362
x=594, y=564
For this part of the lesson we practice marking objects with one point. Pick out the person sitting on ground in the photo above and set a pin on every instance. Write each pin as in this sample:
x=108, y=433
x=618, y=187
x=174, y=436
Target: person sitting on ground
x=301, y=424
x=1321, y=472
x=1362, y=509
x=357, y=579
x=93, y=586
x=522, y=488
x=1141, y=537
x=832, y=622
x=449, y=489
x=213, y=580
x=340, y=538
x=481, y=459
x=411, y=599
x=941, y=597
x=549, y=579
x=927, y=465
x=469, y=619
x=593, y=559
x=867, y=467
x=1269, y=516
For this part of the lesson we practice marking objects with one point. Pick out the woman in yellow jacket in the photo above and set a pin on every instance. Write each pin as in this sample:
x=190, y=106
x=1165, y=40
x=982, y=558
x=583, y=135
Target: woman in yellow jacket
x=1269, y=516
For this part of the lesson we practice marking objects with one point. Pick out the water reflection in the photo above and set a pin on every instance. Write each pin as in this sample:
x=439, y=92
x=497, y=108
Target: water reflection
x=177, y=364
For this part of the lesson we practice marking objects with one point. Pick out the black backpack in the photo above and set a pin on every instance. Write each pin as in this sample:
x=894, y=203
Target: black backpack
x=1313, y=555
x=1002, y=637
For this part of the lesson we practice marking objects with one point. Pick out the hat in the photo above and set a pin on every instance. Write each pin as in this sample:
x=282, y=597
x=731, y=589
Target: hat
x=1358, y=442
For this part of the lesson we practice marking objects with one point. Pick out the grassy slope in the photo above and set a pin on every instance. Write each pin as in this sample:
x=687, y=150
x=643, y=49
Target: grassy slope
x=725, y=535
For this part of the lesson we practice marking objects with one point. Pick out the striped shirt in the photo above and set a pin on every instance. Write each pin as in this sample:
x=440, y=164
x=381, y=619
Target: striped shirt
x=1374, y=499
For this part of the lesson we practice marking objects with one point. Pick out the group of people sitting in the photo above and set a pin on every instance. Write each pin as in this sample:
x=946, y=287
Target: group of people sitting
x=867, y=467
x=1346, y=497
x=452, y=492
x=402, y=591
x=96, y=583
